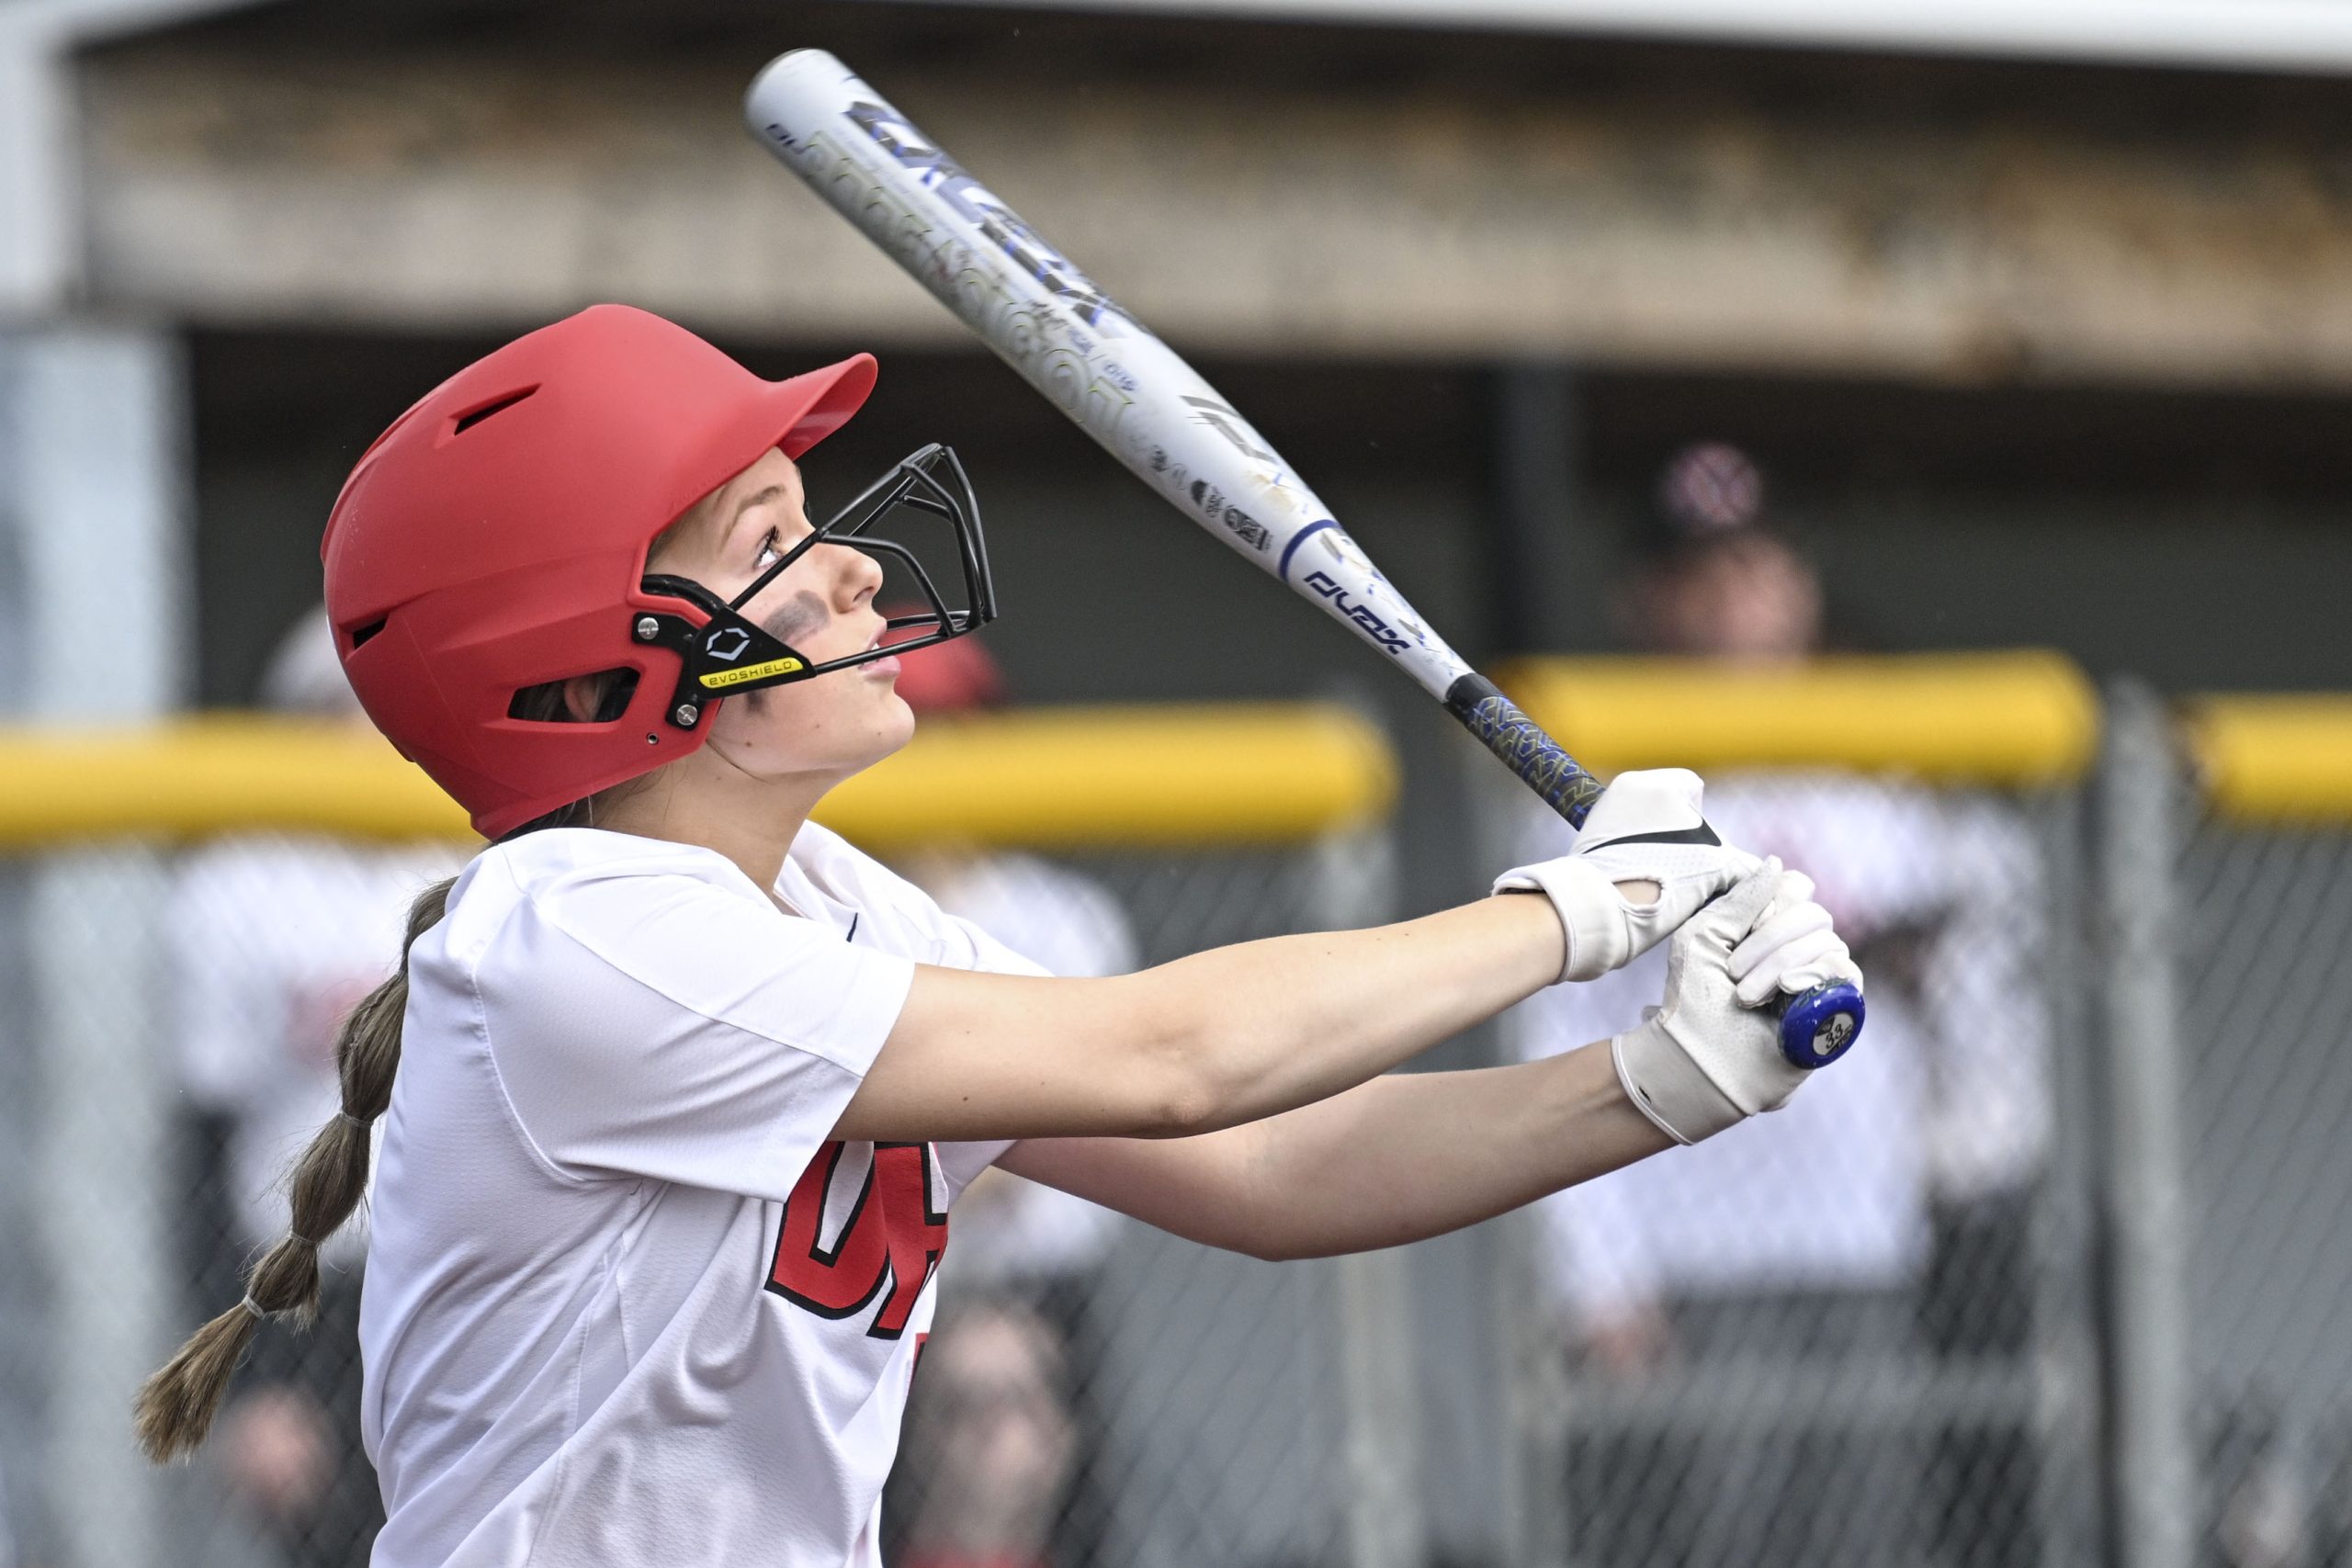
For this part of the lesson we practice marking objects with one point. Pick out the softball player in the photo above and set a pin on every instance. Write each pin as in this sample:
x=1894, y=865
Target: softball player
x=679, y=1088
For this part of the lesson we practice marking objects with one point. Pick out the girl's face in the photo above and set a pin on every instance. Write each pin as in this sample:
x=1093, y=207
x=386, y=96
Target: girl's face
x=822, y=606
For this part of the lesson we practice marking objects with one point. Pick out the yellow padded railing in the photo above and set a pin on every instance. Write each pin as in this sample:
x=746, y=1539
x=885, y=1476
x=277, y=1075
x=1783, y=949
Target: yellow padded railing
x=2274, y=761
x=1175, y=776
x=1201, y=775
x=2009, y=719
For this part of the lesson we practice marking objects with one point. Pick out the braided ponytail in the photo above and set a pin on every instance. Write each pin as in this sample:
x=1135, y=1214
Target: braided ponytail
x=176, y=1406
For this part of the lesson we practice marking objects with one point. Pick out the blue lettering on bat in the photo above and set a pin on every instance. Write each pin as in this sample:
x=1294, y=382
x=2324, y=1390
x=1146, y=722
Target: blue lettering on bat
x=975, y=203
x=1356, y=611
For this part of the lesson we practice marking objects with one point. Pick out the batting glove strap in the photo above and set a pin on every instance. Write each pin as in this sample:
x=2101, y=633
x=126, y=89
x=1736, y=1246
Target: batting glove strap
x=1651, y=827
x=1667, y=1085
x=1593, y=914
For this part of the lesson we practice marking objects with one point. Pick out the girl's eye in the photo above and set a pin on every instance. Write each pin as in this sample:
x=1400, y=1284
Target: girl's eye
x=771, y=551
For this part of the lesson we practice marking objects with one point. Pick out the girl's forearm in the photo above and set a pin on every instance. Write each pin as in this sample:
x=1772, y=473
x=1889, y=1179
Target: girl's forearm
x=1270, y=1025
x=1205, y=1043
x=1397, y=1160
x=1417, y=1154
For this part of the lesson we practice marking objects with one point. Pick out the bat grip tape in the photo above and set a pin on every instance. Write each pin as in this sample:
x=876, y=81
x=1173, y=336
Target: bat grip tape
x=1541, y=762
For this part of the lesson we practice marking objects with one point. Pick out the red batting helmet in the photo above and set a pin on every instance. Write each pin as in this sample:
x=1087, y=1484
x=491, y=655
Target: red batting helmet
x=494, y=539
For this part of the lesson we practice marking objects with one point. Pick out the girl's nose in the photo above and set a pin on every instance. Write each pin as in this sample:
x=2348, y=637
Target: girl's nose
x=861, y=577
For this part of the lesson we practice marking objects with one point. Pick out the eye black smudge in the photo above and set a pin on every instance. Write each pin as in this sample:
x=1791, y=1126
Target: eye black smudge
x=804, y=612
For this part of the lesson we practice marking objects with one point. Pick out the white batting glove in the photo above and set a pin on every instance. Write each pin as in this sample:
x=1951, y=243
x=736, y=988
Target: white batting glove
x=1704, y=1059
x=1649, y=827
x=1793, y=948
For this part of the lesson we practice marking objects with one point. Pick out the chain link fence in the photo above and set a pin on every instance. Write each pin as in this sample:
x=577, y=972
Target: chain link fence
x=2263, y=1082
x=2267, y=1105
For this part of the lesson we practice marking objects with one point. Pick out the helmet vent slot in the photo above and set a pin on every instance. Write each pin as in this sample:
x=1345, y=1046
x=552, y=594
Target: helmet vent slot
x=361, y=634
x=546, y=703
x=466, y=422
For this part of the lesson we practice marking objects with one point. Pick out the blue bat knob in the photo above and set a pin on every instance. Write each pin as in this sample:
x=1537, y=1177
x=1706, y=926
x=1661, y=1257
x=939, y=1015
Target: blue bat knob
x=1821, y=1025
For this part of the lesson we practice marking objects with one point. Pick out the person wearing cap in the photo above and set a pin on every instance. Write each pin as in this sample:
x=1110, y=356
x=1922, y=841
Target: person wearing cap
x=678, y=1089
x=1665, y=1273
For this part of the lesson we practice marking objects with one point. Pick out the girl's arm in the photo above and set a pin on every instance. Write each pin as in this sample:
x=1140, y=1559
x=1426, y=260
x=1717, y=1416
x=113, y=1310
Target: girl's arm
x=1408, y=1156
x=1247, y=1031
x=1397, y=1160
x=1210, y=1041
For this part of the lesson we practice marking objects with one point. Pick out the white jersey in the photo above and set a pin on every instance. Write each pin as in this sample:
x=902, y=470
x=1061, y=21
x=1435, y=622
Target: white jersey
x=625, y=1305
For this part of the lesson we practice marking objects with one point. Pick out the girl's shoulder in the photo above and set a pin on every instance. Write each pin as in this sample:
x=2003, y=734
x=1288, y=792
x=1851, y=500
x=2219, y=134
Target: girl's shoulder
x=844, y=870
x=856, y=882
x=584, y=879
x=889, y=911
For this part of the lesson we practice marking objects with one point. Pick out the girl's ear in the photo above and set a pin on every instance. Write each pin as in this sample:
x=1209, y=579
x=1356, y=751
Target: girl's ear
x=583, y=696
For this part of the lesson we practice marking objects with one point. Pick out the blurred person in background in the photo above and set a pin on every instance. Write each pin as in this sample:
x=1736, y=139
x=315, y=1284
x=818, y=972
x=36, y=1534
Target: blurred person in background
x=1041, y=1253
x=1884, y=1206
x=277, y=938
x=990, y=1445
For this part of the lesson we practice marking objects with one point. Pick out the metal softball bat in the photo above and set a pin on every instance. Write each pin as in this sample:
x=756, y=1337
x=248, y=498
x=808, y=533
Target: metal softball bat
x=1152, y=412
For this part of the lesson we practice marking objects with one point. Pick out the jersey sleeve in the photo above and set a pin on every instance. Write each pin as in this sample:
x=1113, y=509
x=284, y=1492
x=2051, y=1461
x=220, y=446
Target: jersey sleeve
x=673, y=1028
x=964, y=945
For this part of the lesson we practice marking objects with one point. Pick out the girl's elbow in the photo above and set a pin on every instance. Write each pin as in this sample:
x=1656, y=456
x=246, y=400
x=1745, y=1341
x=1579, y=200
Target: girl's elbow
x=1187, y=1095
x=1189, y=1074
x=1274, y=1249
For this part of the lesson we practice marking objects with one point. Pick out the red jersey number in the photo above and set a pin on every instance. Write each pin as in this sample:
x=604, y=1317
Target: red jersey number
x=893, y=1238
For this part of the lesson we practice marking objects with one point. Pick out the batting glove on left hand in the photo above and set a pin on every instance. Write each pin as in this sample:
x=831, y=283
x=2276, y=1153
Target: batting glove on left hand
x=1706, y=1058
x=1649, y=827
x=1792, y=949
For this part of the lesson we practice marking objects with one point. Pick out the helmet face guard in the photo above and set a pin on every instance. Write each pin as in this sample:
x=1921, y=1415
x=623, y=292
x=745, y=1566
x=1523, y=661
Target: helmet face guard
x=727, y=653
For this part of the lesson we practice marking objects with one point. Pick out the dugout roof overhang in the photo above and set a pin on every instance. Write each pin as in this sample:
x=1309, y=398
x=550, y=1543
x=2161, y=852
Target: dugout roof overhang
x=1607, y=183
